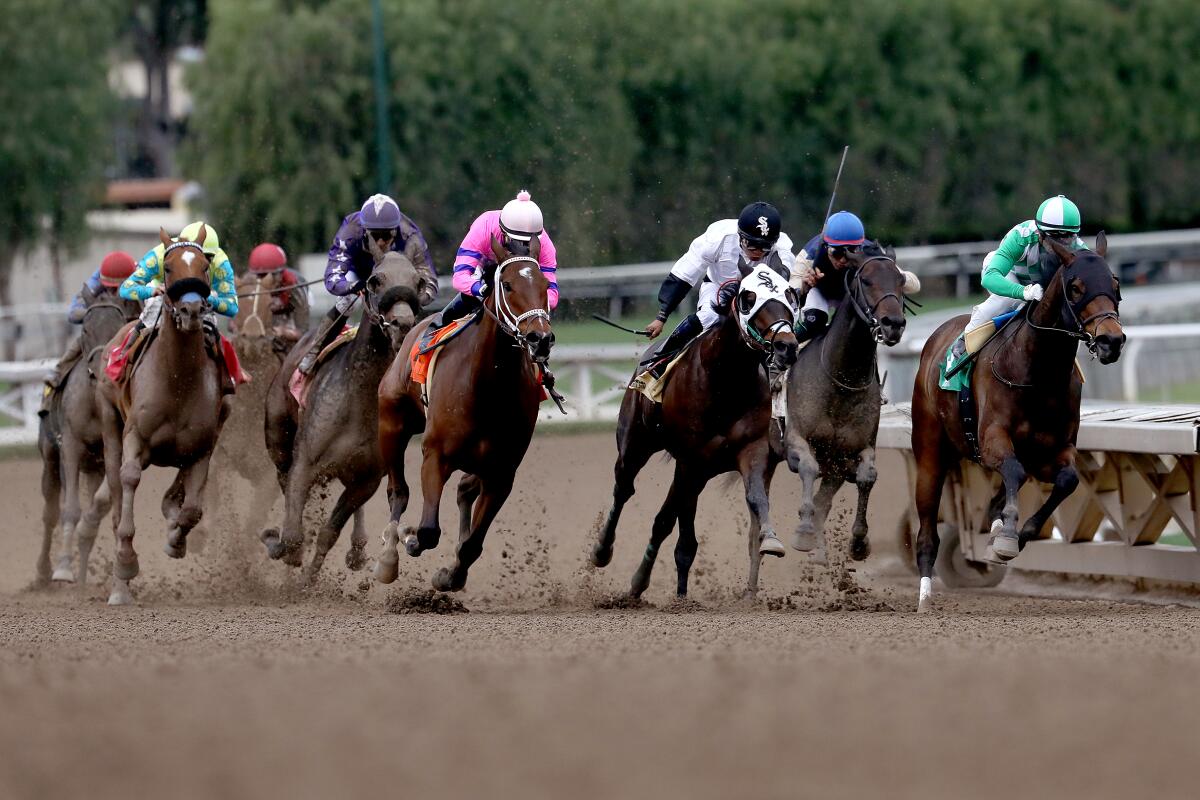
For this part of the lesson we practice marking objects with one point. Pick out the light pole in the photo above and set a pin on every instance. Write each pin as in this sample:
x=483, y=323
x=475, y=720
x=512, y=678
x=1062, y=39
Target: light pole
x=382, y=131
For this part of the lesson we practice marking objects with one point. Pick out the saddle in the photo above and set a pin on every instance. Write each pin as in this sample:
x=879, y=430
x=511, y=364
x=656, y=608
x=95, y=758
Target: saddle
x=298, y=383
x=656, y=370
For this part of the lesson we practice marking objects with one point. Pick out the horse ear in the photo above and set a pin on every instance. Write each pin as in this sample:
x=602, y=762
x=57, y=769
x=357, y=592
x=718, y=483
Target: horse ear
x=203, y=234
x=1101, y=244
x=890, y=252
x=745, y=302
x=1065, y=254
x=498, y=251
x=164, y=238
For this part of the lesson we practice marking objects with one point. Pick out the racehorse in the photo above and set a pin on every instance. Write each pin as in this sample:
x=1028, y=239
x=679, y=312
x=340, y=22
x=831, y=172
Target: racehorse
x=335, y=434
x=71, y=440
x=833, y=397
x=483, y=406
x=714, y=418
x=168, y=414
x=1026, y=400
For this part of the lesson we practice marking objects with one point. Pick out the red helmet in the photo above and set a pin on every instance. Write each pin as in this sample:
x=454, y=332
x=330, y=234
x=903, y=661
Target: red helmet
x=267, y=257
x=116, y=267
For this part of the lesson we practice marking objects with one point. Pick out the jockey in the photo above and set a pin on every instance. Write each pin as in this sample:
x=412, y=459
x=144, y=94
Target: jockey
x=1013, y=271
x=819, y=265
x=289, y=304
x=714, y=258
x=108, y=277
x=363, y=239
x=519, y=220
x=146, y=284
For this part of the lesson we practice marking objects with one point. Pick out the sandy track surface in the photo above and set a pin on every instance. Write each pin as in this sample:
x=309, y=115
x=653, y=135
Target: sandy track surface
x=229, y=680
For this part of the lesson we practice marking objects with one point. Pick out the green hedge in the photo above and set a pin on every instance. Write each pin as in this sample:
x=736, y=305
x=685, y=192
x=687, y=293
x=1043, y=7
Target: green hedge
x=636, y=122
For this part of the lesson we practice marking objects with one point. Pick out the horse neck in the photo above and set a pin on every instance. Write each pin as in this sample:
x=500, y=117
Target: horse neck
x=848, y=346
x=371, y=346
x=727, y=356
x=1047, y=355
x=183, y=351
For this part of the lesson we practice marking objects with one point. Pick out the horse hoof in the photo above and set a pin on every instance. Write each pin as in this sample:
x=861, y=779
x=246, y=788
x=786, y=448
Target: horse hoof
x=355, y=559
x=175, y=551
x=387, y=567
x=804, y=540
x=443, y=581
x=1006, y=548
x=860, y=549
x=412, y=545
x=292, y=556
x=270, y=538
x=63, y=575
x=126, y=569
x=601, y=556
x=120, y=596
x=925, y=598
x=771, y=546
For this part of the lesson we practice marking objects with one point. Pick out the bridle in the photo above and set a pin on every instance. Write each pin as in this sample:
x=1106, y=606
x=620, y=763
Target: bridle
x=1076, y=328
x=865, y=311
x=508, y=320
x=176, y=312
x=376, y=317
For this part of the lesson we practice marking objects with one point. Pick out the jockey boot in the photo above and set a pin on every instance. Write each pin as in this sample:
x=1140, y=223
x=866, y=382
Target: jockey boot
x=687, y=330
x=959, y=350
x=457, y=308
x=812, y=322
x=326, y=333
x=212, y=342
x=73, y=353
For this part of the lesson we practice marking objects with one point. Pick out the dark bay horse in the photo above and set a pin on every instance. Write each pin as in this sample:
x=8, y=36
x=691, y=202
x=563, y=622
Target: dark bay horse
x=833, y=398
x=71, y=440
x=335, y=434
x=169, y=414
x=1027, y=394
x=714, y=417
x=483, y=404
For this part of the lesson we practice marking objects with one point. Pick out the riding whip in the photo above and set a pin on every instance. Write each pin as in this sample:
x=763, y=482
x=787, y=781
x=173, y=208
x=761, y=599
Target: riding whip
x=836, y=181
x=608, y=321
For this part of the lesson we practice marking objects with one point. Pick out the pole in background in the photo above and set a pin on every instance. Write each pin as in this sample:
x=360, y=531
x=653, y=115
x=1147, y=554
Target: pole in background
x=383, y=135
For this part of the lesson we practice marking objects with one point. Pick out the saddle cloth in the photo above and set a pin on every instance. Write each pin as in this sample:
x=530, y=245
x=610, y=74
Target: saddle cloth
x=298, y=383
x=651, y=386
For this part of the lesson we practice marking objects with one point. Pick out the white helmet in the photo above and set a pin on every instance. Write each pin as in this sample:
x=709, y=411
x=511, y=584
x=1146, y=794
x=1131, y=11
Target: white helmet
x=521, y=218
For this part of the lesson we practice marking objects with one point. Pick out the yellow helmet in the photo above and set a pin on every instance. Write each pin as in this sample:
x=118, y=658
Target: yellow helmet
x=211, y=242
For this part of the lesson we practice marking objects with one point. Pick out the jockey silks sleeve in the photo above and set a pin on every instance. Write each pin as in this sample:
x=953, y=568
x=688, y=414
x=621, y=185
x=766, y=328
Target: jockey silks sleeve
x=1019, y=253
x=475, y=253
x=91, y=287
x=222, y=296
x=351, y=261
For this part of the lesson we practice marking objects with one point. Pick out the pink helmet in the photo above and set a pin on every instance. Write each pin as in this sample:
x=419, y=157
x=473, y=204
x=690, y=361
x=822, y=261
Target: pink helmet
x=267, y=257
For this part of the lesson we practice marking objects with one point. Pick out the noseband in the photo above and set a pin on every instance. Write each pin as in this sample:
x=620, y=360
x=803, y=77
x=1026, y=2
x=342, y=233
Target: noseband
x=858, y=300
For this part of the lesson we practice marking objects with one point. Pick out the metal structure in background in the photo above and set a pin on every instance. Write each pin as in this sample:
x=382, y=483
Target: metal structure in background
x=1139, y=473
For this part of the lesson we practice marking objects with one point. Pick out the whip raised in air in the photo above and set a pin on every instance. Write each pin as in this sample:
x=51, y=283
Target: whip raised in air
x=608, y=321
x=836, y=181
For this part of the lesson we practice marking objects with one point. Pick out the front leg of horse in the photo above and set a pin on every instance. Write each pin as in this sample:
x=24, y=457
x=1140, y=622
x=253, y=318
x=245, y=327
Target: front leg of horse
x=352, y=498
x=491, y=493
x=356, y=556
x=865, y=476
x=125, y=560
x=633, y=451
x=193, y=480
x=287, y=544
x=761, y=540
x=801, y=461
x=999, y=456
x=434, y=474
x=71, y=513
x=387, y=564
x=664, y=523
x=101, y=504
x=686, y=544
x=1066, y=479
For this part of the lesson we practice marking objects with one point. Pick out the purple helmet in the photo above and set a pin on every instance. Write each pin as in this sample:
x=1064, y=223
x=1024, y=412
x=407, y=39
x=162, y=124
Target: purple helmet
x=380, y=212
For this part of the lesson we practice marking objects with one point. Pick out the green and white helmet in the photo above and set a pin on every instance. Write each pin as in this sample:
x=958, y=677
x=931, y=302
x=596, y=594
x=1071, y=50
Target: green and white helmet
x=1058, y=214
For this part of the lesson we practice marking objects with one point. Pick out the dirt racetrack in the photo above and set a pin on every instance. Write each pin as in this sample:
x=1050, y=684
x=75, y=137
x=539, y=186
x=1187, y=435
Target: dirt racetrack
x=228, y=680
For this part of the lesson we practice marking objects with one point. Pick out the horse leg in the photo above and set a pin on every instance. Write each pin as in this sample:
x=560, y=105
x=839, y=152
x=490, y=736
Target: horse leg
x=193, y=479
x=356, y=557
x=135, y=456
x=664, y=523
x=864, y=478
x=468, y=492
x=830, y=484
x=757, y=467
x=172, y=503
x=288, y=543
x=85, y=535
x=348, y=503
x=801, y=461
x=434, y=474
x=633, y=451
x=387, y=565
x=686, y=544
x=934, y=456
x=492, y=494
x=64, y=485
x=1066, y=479
x=998, y=454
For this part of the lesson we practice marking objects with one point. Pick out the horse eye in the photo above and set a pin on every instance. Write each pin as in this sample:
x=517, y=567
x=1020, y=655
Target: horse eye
x=507, y=286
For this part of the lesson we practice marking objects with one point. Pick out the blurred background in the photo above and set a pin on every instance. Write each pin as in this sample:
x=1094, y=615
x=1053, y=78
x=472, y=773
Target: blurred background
x=634, y=123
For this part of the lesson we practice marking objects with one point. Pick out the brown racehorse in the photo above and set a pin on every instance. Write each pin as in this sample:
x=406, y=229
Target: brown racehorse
x=71, y=439
x=1027, y=395
x=483, y=404
x=714, y=418
x=170, y=415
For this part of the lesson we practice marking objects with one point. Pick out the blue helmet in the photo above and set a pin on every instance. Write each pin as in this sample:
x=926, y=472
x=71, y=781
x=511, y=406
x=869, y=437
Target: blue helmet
x=380, y=212
x=844, y=228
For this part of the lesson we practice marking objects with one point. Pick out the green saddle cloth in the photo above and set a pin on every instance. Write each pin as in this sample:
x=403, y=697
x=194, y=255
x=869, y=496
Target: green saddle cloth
x=959, y=380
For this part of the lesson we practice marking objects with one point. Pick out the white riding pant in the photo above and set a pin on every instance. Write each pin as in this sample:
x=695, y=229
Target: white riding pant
x=814, y=299
x=994, y=306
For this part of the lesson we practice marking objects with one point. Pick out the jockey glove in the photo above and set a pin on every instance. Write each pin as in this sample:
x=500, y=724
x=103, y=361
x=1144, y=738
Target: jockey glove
x=813, y=321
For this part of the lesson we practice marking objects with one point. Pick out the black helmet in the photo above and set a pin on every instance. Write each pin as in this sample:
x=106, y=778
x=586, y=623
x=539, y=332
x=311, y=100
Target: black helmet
x=759, y=223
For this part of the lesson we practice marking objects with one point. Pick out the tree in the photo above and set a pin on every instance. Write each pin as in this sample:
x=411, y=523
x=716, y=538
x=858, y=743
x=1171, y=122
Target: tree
x=54, y=132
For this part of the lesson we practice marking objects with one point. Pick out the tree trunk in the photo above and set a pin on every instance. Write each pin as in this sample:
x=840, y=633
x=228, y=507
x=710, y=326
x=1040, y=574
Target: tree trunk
x=8, y=325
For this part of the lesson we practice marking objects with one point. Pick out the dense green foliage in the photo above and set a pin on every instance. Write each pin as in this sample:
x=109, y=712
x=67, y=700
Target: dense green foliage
x=636, y=122
x=54, y=126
